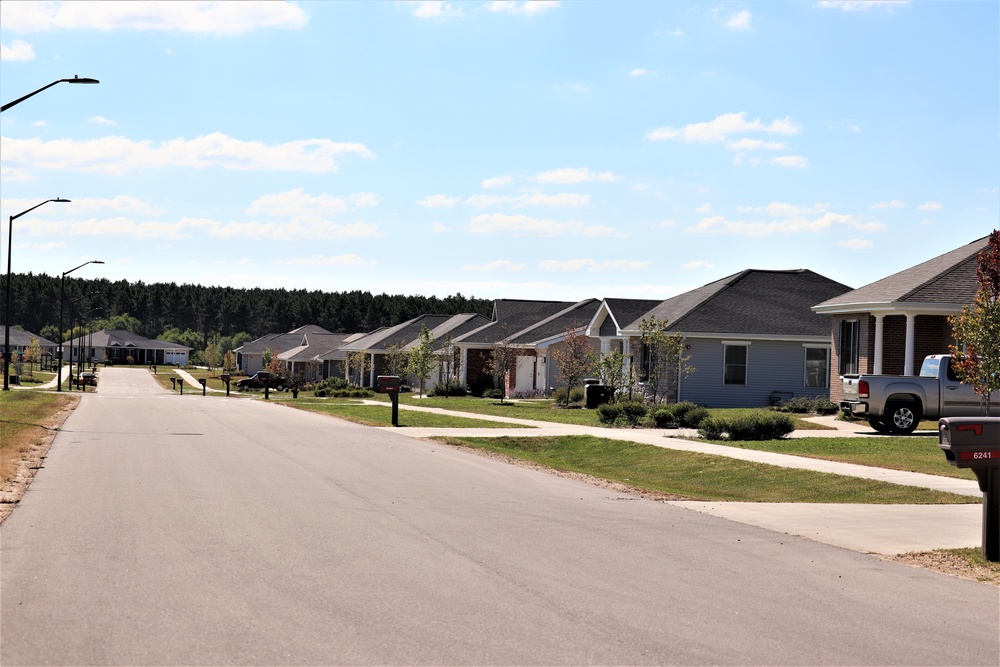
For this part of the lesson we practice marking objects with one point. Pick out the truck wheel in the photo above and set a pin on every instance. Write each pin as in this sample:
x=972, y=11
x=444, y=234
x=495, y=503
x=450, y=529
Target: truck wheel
x=902, y=417
x=279, y=387
x=878, y=425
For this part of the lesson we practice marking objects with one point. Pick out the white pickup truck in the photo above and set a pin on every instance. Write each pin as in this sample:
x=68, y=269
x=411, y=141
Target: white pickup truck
x=896, y=404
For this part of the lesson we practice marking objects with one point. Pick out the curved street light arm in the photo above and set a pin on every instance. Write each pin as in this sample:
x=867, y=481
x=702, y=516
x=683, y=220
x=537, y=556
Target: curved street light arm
x=75, y=79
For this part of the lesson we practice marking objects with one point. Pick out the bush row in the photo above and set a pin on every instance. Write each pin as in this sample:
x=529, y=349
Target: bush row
x=821, y=405
x=757, y=425
x=353, y=392
x=676, y=415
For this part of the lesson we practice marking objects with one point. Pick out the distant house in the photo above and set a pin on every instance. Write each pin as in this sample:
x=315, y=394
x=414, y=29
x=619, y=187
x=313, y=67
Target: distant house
x=890, y=325
x=752, y=337
x=406, y=336
x=250, y=355
x=117, y=346
x=533, y=329
x=20, y=341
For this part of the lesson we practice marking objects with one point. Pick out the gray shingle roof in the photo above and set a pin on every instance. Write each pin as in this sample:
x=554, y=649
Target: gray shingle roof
x=512, y=317
x=753, y=302
x=19, y=338
x=126, y=340
x=948, y=278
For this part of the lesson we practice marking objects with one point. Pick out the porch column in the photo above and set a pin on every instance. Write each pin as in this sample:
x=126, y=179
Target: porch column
x=605, y=346
x=371, y=372
x=464, y=370
x=879, y=317
x=911, y=327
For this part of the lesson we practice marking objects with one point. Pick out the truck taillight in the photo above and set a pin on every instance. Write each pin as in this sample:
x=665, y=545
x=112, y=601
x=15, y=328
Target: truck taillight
x=862, y=389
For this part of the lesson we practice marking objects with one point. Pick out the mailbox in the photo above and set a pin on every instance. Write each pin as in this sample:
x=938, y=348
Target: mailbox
x=388, y=383
x=970, y=442
x=202, y=381
x=264, y=375
x=974, y=442
x=595, y=395
x=224, y=377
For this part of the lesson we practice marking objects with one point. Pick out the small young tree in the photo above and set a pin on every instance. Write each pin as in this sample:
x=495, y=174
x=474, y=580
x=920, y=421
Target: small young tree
x=501, y=360
x=276, y=367
x=212, y=355
x=397, y=359
x=616, y=374
x=576, y=358
x=267, y=356
x=229, y=362
x=358, y=365
x=34, y=354
x=667, y=363
x=422, y=357
x=448, y=363
x=977, y=328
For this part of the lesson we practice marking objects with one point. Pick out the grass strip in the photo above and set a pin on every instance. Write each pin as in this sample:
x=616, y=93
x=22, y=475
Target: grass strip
x=700, y=476
x=909, y=453
x=26, y=419
x=379, y=415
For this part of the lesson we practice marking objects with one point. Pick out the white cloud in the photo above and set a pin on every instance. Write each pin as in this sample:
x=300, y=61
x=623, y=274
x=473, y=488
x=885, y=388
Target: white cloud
x=526, y=7
x=497, y=181
x=572, y=176
x=18, y=51
x=118, y=155
x=523, y=225
x=101, y=120
x=697, y=264
x=862, y=5
x=119, y=204
x=439, y=228
x=225, y=18
x=793, y=161
x=434, y=9
x=438, y=201
x=592, y=265
x=855, y=244
x=895, y=203
x=51, y=245
x=755, y=145
x=739, y=20
x=563, y=200
x=498, y=265
x=639, y=71
x=784, y=219
x=349, y=260
x=297, y=205
x=930, y=206
x=719, y=129
x=704, y=209
x=666, y=224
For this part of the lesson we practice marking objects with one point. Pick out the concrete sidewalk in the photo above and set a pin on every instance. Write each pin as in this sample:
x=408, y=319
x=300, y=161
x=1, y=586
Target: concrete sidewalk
x=882, y=529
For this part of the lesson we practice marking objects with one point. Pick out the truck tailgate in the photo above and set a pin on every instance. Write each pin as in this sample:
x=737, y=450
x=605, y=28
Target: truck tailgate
x=851, y=388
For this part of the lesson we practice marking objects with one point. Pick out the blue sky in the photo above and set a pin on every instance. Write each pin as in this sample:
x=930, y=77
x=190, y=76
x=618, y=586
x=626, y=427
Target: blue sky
x=547, y=150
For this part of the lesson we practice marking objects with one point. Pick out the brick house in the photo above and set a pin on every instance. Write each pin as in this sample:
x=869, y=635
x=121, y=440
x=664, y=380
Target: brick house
x=890, y=325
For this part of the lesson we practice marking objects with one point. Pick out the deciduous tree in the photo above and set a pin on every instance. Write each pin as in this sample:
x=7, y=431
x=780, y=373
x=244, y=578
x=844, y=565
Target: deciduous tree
x=576, y=358
x=977, y=328
x=422, y=357
x=666, y=363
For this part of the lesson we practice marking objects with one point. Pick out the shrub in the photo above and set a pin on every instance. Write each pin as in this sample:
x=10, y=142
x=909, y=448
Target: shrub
x=575, y=395
x=450, y=390
x=493, y=393
x=675, y=415
x=756, y=425
x=332, y=383
x=527, y=393
x=803, y=404
x=693, y=417
x=626, y=413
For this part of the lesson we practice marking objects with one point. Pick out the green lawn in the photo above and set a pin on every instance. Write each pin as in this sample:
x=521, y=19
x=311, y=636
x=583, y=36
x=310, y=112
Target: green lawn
x=701, y=476
x=910, y=453
x=381, y=415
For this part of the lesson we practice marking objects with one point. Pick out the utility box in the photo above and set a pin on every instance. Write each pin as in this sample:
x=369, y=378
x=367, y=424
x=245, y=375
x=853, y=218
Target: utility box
x=974, y=442
x=595, y=395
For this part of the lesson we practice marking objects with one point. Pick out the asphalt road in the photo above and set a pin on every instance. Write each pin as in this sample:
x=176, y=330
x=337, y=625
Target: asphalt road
x=187, y=531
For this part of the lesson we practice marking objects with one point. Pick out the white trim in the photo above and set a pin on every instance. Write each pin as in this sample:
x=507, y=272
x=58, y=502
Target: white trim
x=736, y=342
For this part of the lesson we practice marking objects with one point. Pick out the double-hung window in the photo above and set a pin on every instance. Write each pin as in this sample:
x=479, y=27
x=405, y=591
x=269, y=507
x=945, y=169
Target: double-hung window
x=848, y=347
x=734, y=371
x=817, y=367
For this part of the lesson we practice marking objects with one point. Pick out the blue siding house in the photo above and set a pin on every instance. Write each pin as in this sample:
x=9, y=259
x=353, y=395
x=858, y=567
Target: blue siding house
x=752, y=337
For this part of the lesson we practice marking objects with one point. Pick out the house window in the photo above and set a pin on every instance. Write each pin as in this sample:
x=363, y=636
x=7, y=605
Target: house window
x=735, y=365
x=848, y=347
x=817, y=367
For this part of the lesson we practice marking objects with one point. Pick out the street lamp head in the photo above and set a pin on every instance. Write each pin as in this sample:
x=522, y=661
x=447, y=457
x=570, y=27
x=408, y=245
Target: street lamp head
x=97, y=261
x=61, y=200
x=77, y=79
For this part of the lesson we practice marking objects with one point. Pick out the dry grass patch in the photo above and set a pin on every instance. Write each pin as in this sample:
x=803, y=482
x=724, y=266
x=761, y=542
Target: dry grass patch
x=28, y=423
x=964, y=563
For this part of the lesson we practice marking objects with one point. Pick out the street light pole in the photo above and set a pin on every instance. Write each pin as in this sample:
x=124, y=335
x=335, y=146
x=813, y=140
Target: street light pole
x=75, y=79
x=6, y=331
x=62, y=297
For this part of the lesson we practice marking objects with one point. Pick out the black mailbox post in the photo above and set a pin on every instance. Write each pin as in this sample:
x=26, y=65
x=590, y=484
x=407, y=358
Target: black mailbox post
x=974, y=442
x=389, y=384
x=202, y=382
x=154, y=369
x=265, y=377
x=225, y=378
x=173, y=383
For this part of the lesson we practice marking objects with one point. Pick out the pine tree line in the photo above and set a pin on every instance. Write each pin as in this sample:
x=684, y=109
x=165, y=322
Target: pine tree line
x=154, y=308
